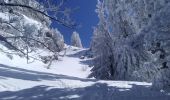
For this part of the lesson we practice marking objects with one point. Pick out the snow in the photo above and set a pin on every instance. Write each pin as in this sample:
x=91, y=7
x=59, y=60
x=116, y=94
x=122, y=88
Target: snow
x=31, y=21
x=4, y=16
x=26, y=20
x=65, y=80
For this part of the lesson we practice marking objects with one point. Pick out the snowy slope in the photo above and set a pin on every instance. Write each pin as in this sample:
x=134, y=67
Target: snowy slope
x=65, y=80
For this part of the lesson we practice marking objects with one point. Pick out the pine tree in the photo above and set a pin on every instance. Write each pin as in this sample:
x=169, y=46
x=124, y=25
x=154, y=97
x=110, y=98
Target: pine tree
x=75, y=40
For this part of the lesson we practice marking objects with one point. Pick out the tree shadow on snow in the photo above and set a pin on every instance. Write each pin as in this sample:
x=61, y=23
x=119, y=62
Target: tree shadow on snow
x=98, y=91
x=24, y=74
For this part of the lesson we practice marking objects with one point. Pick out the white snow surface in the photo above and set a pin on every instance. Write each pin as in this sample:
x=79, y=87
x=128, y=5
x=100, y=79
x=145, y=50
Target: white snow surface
x=31, y=21
x=4, y=16
x=65, y=80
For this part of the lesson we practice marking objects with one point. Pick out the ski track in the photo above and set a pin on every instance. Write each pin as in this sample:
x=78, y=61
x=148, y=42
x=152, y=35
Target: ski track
x=66, y=80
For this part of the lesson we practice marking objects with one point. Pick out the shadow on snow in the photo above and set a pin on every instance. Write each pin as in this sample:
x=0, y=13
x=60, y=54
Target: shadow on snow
x=98, y=91
x=85, y=54
x=24, y=74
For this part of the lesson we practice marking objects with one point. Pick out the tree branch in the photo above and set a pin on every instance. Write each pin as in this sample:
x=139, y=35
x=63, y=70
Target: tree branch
x=2, y=38
x=15, y=37
x=41, y=12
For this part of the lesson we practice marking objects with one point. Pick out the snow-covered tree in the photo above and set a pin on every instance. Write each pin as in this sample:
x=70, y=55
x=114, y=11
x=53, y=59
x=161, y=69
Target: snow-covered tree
x=137, y=33
x=57, y=41
x=102, y=48
x=117, y=46
x=27, y=21
x=25, y=25
x=157, y=41
x=75, y=40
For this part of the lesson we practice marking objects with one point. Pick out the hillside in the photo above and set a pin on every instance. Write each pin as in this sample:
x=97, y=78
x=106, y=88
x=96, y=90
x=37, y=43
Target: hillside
x=65, y=80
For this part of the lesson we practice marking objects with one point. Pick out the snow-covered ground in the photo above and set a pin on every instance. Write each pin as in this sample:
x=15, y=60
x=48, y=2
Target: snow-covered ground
x=65, y=80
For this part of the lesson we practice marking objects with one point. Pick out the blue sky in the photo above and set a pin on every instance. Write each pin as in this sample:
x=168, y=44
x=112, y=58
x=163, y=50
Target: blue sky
x=85, y=16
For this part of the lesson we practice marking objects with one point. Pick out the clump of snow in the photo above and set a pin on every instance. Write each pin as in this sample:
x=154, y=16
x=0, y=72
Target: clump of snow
x=32, y=21
x=4, y=16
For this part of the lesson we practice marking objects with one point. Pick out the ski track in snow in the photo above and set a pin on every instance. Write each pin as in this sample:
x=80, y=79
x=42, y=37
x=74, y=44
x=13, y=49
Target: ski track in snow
x=66, y=80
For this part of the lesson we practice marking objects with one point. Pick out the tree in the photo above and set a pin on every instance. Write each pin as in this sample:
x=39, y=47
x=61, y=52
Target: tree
x=102, y=48
x=117, y=46
x=19, y=34
x=157, y=39
x=57, y=40
x=75, y=40
x=40, y=9
x=137, y=34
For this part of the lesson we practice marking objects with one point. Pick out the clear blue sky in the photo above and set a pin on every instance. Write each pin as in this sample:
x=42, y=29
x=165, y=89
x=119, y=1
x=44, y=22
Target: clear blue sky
x=85, y=16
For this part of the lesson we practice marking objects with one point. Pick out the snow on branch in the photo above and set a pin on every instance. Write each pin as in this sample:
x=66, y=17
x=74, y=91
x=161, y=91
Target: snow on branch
x=50, y=9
